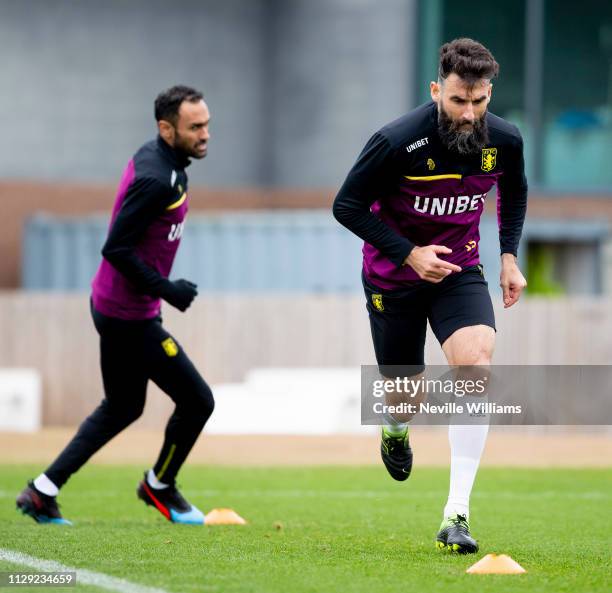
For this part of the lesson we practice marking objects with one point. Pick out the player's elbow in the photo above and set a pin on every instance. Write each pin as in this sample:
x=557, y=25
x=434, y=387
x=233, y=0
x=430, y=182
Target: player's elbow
x=107, y=252
x=112, y=254
x=340, y=210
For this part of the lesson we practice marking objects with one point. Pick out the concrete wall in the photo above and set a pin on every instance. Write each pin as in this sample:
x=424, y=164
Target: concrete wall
x=341, y=70
x=79, y=79
x=226, y=336
x=294, y=86
x=20, y=200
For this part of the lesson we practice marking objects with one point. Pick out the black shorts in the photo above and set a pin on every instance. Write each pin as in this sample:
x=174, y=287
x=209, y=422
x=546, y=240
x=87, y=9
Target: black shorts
x=398, y=318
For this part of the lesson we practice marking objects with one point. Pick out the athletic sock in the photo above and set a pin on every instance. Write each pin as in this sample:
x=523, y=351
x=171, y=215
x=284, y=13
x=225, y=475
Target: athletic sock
x=46, y=486
x=154, y=482
x=466, y=444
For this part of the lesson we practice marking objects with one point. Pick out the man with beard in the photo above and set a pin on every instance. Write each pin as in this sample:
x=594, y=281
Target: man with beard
x=415, y=196
x=145, y=231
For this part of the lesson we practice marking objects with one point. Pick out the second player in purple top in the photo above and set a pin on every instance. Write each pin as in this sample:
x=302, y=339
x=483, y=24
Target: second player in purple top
x=146, y=226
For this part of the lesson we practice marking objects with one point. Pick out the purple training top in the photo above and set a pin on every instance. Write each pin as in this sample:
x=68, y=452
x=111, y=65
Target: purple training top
x=144, y=234
x=446, y=212
x=408, y=189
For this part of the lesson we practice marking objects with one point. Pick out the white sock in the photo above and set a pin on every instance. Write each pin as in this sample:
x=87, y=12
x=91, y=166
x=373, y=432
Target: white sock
x=154, y=482
x=46, y=486
x=466, y=444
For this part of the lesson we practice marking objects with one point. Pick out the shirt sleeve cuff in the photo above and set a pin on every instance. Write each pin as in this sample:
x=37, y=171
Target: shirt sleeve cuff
x=402, y=253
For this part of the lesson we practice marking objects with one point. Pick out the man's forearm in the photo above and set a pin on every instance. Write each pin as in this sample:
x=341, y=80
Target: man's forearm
x=145, y=278
x=508, y=258
x=357, y=217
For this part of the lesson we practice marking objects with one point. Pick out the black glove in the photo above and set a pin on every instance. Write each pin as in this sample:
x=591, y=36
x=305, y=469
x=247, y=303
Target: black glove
x=179, y=293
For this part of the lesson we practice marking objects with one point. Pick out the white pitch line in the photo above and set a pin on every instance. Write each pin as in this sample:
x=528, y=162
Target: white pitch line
x=85, y=577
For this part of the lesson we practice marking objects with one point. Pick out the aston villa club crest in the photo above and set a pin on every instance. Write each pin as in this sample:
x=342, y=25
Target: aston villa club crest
x=378, y=302
x=489, y=159
x=170, y=347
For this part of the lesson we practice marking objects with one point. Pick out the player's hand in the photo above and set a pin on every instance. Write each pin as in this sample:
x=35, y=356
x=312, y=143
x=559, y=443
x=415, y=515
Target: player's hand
x=511, y=280
x=426, y=263
x=180, y=293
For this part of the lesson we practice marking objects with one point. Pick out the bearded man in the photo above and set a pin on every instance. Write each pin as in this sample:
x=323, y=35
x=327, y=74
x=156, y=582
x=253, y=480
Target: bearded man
x=415, y=196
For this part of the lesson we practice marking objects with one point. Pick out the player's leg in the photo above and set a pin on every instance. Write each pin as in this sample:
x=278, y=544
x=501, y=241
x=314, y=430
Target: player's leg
x=398, y=323
x=463, y=320
x=467, y=348
x=125, y=384
x=172, y=370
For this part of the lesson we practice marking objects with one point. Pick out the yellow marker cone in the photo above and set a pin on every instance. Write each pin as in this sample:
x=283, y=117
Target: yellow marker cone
x=494, y=564
x=224, y=517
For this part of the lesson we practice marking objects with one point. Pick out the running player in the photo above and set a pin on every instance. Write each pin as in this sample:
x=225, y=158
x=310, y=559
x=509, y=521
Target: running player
x=415, y=196
x=144, y=235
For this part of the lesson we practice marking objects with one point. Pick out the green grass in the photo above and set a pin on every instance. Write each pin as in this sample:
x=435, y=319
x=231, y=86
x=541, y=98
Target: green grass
x=325, y=529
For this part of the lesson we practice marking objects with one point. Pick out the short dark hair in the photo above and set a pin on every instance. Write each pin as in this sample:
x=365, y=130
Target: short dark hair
x=168, y=102
x=468, y=59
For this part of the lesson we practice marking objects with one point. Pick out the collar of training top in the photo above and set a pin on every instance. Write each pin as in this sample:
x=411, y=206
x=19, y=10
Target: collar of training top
x=177, y=158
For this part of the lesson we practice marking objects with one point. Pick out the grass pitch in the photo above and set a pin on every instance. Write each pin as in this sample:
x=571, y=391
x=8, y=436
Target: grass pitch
x=324, y=530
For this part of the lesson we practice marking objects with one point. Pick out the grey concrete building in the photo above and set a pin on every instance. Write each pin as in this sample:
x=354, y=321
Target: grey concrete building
x=294, y=86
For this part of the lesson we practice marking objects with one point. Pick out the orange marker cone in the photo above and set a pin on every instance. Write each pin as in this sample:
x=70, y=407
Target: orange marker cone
x=224, y=517
x=494, y=564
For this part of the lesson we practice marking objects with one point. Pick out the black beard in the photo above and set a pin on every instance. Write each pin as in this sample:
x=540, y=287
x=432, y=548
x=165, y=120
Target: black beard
x=183, y=149
x=456, y=140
